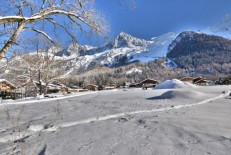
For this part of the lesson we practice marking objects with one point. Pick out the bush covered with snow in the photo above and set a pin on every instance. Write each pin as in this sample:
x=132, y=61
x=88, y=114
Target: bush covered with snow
x=134, y=71
x=174, y=84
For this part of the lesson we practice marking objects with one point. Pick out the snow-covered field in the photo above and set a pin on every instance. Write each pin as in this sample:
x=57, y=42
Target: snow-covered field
x=155, y=121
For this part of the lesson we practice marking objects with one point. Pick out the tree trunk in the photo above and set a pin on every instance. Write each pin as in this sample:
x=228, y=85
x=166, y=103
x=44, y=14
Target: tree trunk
x=40, y=83
x=2, y=55
x=46, y=89
x=12, y=40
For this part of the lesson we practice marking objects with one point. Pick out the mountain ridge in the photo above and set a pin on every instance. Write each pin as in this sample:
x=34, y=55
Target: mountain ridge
x=200, y=52
x=122, y=50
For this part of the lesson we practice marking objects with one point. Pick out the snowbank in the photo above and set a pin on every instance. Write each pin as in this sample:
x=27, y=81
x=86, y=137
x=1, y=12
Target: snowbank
x=174, y=84
x=180, y=94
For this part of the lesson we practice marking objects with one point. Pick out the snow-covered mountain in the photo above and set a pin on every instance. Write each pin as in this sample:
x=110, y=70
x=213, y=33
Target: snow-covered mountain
x=124, y=49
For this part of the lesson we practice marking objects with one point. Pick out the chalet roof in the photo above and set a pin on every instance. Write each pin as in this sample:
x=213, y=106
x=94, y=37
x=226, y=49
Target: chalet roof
x=109, y=87
x=53, y=86
x=201, y=81
x=133, y=84
x=58, y=83
x=37, y=82
x=8, y=82
x=149, y=80
x=186, y=79
x=112, y=85
x=198, y=78
x=92, y=85
x=195, y=80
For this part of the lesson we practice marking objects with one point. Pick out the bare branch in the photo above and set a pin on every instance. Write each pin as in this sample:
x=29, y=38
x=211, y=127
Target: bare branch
x=43, y=5
x=78, y=13
x=11, y=19
x=40, y=32
x=63, y=27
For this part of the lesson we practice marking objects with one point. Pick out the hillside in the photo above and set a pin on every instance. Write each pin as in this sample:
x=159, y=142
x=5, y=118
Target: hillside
x=201, y=53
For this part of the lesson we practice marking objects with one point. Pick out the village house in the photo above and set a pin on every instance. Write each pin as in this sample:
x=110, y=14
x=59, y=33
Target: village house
x=187, y=79
x=56, y=86
x=110, y=87
x=20, y=92
x=31, y=88
x=73, y=89
x=7, y=89
x=133, y=85
x=202, y=82
x=82, y=90
x=91, y=87
x=6, y=86
x=197, y=79
x=148, y=82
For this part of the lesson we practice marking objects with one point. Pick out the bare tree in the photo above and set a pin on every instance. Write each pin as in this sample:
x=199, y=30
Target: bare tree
x=39, y=68
x=36, y=15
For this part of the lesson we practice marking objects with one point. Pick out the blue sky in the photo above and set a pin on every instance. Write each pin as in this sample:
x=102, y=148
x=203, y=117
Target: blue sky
x=155, y=17
x=151, y=18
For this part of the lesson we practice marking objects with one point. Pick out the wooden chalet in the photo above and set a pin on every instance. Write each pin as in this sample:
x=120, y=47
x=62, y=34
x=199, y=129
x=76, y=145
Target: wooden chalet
x=148, y=82
x=56, y=86
x=91, y=87
x=187, y=79
x=201, y=82
x=195, y=80
x=133, y=85
x=30, y=88
x=110, y=87
x=6, y=86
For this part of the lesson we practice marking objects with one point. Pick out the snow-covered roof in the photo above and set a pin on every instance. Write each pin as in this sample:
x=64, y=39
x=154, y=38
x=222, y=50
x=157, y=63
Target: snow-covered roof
x=91, y=85
x=109, y=87
x=8, y=82
x=201, y=81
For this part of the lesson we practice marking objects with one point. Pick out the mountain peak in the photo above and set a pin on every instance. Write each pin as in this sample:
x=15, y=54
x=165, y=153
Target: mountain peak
x=190, y=33
x=123, y=34
x=125, y=39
